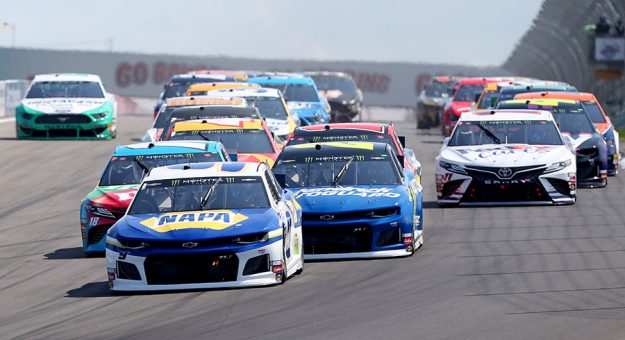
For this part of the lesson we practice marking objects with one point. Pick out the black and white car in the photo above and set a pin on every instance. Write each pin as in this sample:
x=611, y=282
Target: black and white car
x=506, y=157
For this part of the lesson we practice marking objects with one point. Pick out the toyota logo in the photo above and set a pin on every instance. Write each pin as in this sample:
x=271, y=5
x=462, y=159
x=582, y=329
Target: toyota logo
x=326, y=217
x=189, y=244
x=504, y=172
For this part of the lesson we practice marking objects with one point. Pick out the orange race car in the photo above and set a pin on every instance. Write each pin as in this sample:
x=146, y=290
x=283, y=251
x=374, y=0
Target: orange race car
x=597, y=116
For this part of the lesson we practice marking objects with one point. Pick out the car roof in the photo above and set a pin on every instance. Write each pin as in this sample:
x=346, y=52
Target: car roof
x=478, y=80
x=304, y=80
x=67, y=77
x=207, y=101
x=167, y=147
x=328, y=74
x=244, y=92
x=220, y=85
x=541, y=101
x=217, y=110
x=372, y=127
x=200, y=77
x=219, y=124
x=207, y=169
x=330, y=148
x=581, y=96
x=520, y=114
x=537, y=87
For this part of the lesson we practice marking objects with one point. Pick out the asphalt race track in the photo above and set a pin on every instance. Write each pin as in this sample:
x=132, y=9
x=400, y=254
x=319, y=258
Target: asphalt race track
x=484, y=273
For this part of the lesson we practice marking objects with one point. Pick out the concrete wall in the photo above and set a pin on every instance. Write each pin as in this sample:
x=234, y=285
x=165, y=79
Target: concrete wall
x=556, y=47
x=11, y=92
x=142, y=75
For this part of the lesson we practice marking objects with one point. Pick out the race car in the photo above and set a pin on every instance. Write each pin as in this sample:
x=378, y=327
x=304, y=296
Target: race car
x=509, y=92
x=118, y=184
x=249, y=139
x=466, y=92
x=506, y=157
x=573, y=121
x=271, y=105
x=432, y=100
x=356, y=199
x=200, y=89
x=163, y=117
x=597, y=116
x=363, y=132
x=178, y=85
x=301, y=95
x=341, y=92
x=66, y=106
x=206, y=225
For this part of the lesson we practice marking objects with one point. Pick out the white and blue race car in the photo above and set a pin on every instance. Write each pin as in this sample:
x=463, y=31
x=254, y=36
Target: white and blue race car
x=206, y=225
x=356, y=198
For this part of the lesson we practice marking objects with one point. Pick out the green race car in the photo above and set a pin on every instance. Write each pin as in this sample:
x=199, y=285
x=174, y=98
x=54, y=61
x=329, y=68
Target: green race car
x=66, y=106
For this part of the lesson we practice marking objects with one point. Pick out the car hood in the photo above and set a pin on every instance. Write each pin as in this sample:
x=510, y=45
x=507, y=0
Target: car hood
x=579, y=138
x=196, y=225
x=351, y=198
x=509, y=155
x=63, y=105
x=116, y=196
x=460, y=107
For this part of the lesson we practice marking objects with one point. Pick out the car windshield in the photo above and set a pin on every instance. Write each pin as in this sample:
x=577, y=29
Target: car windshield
x=296, y=92
x=594, y=112
x=164, y=117
x=532, y=132
x=239, y=141
x=65, y=89
x=198, y=194
x=269, y=107
x=329, y=83
x=340, y=136
x=308, y=171
x=437, y=89
x=131, y=169
x=571, y=118
x=176, y=89
x=486, y=99
x=467, y=93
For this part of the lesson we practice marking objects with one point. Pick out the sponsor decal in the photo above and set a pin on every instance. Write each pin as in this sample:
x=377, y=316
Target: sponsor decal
x=125, y=196
x=347, y=191
x=505, y=150
x=214, y=219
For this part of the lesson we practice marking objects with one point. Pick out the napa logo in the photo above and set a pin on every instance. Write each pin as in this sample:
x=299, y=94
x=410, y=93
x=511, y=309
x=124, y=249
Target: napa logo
x=214, y=219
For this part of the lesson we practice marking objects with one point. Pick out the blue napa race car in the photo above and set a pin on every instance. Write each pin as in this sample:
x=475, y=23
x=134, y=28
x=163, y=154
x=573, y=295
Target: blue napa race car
x=206, y=225
x=121, y=178
x=301, y=95
x=356, y=199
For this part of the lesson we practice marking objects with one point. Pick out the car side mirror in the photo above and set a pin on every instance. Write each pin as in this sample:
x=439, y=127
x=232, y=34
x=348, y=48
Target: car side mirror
x=446, y=141
x=233, y=157
x=402, y=141
x=281, y=179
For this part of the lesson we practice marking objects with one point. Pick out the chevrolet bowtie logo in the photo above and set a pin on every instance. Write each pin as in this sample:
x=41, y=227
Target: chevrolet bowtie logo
x=189, y=244
x=326, y=217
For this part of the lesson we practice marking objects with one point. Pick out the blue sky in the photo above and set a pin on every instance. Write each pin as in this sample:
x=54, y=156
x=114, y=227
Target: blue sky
x=475, y=32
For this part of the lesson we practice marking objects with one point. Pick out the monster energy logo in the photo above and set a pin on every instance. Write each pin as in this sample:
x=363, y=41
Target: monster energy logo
x=195, y=132
x=175, y=182
x=359, y=158
x=139, y=158
x=308, y=159
x=190, y=155
x=316, y=138
x=364, y=137
x=229, y=179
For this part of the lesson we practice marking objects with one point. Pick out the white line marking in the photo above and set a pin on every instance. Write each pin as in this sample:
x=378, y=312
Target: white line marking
x=6, y=120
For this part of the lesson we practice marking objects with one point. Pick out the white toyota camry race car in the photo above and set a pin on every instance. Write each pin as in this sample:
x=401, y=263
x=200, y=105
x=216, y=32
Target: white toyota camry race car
x=506, y=157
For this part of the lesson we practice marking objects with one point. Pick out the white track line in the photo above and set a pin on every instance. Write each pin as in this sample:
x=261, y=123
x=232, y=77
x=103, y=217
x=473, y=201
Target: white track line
x=6, y=120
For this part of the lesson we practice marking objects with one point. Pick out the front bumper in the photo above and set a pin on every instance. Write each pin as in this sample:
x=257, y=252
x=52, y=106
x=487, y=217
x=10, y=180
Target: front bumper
x=181, y=269
x=533, y=189
x=70, y=126
x=360, y=237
